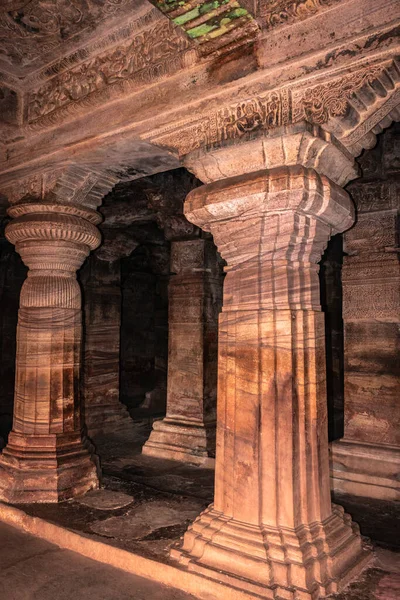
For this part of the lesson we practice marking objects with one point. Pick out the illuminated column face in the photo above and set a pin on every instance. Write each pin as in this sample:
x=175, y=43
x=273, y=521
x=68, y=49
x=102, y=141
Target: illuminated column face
x=188, y=431
x=272, y=526
x=46, y=459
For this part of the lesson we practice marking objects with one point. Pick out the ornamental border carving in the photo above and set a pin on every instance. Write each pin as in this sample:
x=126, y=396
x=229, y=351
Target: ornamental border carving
x=152, y=53
x=280, y=12
x=392, y=102
x=250, y=117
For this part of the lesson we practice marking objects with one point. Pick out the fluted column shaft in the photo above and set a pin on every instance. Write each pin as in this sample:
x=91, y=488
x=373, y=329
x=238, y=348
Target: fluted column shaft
x=45, y=459
x=272, y=522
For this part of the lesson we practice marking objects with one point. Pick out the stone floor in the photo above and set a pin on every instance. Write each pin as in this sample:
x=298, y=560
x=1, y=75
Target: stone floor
x=33, y=569
x=146, y=504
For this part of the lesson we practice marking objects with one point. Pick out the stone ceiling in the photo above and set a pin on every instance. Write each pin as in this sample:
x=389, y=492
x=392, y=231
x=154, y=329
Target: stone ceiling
x=176, y=76
x=35, y=32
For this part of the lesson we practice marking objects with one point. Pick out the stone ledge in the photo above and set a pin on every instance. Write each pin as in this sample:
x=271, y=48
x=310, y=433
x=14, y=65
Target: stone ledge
x=365, y=470
x=192, y=583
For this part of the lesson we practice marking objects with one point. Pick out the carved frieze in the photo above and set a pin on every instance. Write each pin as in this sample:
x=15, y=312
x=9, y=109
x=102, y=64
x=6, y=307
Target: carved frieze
x=281, y=12
x=375, y=196
x=372, y=301
x=368, y=124
x=317, y=104
x=371, y=287
x=249, y=117
x=237, y=120
x=152, y=53
x=36, y=185
x=78, y=185
x=31, y=28
x=373, y=233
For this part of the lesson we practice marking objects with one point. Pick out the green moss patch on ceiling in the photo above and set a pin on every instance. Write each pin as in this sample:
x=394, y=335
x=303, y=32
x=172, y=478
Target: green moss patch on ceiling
x=215, y=22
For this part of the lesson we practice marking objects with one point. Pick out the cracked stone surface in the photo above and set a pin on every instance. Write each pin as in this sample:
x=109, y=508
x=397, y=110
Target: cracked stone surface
x=105, y=499
x=139, y=522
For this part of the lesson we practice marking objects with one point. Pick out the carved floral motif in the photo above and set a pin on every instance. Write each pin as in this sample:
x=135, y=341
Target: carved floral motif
x=279, y=12
x=250, y=115
x=319, y=103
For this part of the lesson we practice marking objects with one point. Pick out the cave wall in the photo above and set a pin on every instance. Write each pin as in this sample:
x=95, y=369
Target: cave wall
x=371, y=298
x=144, y=329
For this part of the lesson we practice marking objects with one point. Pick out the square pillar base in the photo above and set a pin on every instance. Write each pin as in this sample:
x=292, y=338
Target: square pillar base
x=368, y=470
x=45, y=468
x=183, y=441
x=306, y=563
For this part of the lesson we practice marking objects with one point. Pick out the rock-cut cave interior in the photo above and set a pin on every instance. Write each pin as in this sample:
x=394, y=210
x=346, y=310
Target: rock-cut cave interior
x=199, y=299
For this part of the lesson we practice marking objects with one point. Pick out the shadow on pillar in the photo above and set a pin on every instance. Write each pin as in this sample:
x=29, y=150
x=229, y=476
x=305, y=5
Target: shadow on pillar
x=103, y=411
x=195, y=297
x=331, y=303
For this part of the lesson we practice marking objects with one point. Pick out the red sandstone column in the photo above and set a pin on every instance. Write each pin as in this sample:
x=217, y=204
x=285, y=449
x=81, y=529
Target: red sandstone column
x=272, y=529
x=46, y=459
x=104, y=413
x=188, y=431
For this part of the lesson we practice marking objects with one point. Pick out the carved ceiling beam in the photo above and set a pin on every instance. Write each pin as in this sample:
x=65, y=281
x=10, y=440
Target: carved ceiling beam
x=349, y=106
x=213, y=24
x=72, y=185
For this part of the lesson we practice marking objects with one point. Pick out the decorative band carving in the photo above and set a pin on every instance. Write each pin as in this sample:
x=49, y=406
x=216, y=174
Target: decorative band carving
x=52, y=227
x=50, y=291
x=45, y=318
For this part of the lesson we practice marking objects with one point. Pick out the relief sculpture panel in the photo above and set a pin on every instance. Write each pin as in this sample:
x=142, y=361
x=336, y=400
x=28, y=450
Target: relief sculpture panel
x=150, y=54
x=31, y=28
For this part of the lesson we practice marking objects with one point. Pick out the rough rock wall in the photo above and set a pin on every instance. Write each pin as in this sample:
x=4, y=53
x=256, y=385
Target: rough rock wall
x=371, y=298
x=144, y=326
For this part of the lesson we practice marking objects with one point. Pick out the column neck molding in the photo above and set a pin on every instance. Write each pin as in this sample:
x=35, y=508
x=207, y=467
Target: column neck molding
x=301, y=144
x=53, y=237
x=271, y=227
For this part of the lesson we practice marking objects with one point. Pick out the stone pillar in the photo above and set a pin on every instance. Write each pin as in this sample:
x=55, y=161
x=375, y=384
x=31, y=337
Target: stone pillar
x=188, y=431
x=366, y=462
x=46, y=459
x=272, y=530
x=104, y=413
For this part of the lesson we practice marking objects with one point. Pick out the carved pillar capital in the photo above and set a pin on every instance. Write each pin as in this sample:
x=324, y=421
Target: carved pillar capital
x=52, y=235
x=272, y=226
x=301, y=144
x=53, y=241
x=47, y=458
x=271, y=205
